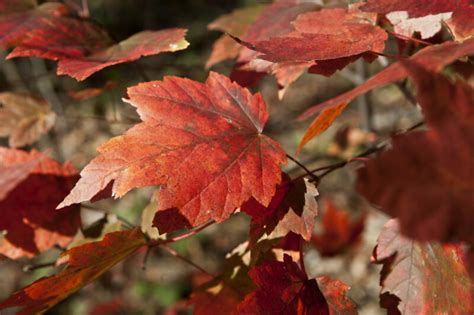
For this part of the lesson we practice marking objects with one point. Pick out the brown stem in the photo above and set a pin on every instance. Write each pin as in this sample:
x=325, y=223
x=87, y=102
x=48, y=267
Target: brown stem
x=308, y=172
x=29, y=268
x=174, y=253
x=154, y=243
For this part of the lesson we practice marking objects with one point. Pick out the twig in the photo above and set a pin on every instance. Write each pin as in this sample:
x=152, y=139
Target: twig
x=419, y=41
x=127, y=223
x=406, y=92
x=29, y=268
x=308, y=172
x=154, y=243
x=186, y=260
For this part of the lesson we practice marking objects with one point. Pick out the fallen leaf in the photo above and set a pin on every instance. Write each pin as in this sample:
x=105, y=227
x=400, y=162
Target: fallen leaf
x=202, y=142
x=24, y=118
x=85, y=263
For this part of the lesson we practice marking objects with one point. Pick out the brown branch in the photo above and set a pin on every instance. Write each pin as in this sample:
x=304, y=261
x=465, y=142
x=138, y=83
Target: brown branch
x=174, y=253
x=308, y=172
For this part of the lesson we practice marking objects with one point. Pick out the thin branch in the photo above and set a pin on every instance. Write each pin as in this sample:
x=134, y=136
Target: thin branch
x=127, y=223
x=406, y=92
x=29, y=268
x=419, y=41
x=174, y=253
x=308, y=172
x=154, y=243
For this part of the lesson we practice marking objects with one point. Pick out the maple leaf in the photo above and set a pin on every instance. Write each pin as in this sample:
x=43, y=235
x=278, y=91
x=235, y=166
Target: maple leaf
x=32, y=185
x=292, y=208
x=264, y=27
x=24, y=118
x=338, y=33
x=201, y=142
x=339, y=232
x=428, y=278
x=85, y=263
x=431, y=186
x=18, y=18
x=283, y=288
x=82, y=48
x=433, y=58
x=335, y=292
x=235, y=23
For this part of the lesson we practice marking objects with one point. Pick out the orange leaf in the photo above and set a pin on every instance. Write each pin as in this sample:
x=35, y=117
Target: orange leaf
x=85, y=263
x=322, y=122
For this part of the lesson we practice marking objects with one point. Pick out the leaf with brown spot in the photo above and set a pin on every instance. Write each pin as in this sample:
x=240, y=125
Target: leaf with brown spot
x=85, y=263
x=24, y=118
x=202, y=142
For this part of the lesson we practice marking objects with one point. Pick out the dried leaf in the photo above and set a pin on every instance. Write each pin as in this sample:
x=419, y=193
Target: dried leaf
x=24, y=118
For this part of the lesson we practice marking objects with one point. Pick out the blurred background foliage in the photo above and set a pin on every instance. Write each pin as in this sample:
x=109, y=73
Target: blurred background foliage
x=83, y=125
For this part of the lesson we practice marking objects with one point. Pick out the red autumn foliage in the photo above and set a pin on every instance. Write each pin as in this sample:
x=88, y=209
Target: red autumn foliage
x=32, y=186
x=440, y=183
x=84, y=264
x=203, y=145
x=211, y=164
x=339, y=232
x=428, y=278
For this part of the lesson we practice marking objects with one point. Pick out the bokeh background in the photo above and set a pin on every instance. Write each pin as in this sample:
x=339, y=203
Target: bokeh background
x=344, y=252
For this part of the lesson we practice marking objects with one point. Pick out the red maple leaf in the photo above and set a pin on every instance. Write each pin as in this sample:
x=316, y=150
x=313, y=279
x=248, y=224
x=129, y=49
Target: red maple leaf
x=32, y=185
x=428, y=278
x=283, y=288
x=248, y=67
x=328, y=34
x=85, y=263
x=202, y=142
x=431, y=186
x=293, y=208
x=82, y=48
x=17, y=18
